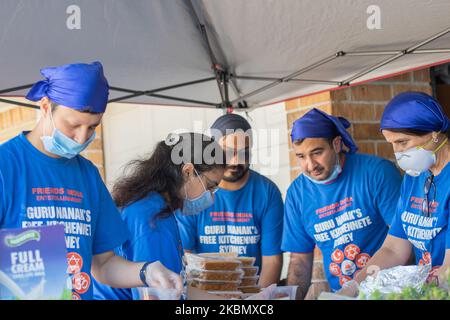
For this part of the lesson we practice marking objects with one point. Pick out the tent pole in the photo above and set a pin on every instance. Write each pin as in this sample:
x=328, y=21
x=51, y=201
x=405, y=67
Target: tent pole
x=16, y=88
x=278, y=79
x=289, y=77
x=28, y=105
x=395, y=57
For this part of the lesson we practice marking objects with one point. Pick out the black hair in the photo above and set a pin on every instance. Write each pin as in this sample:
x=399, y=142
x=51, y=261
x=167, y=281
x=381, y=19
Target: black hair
x=159, y=173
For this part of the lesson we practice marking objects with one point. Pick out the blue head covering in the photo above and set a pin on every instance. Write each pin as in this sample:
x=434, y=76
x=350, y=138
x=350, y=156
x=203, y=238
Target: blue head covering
x=414, y=110
x=78, y=86
x=318, y=124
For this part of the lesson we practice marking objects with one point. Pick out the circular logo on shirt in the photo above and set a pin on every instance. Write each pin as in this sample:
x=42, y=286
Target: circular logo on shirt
x=335, y=270
x=344, y=279
x=76, y=296
x=348, y=267
x=81, y=282
x=426, y=256
x=337, y=256
x=74, y=263
x=362, y=260
x=351, y=251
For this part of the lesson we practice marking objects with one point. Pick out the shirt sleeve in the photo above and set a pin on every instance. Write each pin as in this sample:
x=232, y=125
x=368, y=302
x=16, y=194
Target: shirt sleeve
x=295, y=237
x=387, y=189
x=396, y=229
x=110, y=231
x=187, y=225
x=2, y=200
x=272, y=224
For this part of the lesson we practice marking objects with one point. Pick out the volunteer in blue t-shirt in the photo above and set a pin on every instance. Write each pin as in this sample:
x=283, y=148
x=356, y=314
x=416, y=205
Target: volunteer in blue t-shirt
x=44, y=181
x=149, y=195
x=247, y=214
x=416, y=126
x=343, y=202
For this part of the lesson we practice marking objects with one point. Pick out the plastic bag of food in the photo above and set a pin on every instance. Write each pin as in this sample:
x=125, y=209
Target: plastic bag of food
x=393, y=280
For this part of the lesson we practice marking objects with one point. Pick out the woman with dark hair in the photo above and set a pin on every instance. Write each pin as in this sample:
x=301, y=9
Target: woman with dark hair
x=416, y=126
x=182, y=174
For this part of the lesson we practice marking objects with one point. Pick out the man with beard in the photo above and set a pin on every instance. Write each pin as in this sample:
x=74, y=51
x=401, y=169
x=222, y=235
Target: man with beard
x=247, y=215
x=343, y=202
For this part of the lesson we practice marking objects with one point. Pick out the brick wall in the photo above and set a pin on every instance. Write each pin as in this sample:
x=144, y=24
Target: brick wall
x=14, y=120
x=363, y=106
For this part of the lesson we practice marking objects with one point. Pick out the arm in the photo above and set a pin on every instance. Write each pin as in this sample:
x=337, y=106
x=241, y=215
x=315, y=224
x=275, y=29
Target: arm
x=270, y=270
x=394, y=252
x=299, y=273
x=117, y=272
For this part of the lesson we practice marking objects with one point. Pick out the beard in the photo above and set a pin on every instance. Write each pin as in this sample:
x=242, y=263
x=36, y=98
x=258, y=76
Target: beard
x=237, y=174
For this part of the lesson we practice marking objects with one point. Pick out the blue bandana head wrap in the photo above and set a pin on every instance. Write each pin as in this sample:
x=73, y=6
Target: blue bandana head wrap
x=414, y=110
x=318, y=124
x=78, y=86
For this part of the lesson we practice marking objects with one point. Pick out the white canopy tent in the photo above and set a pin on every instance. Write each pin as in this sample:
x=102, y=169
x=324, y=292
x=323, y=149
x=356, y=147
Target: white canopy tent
x=215, y=53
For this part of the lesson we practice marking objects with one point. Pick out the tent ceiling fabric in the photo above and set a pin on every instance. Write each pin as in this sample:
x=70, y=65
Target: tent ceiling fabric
x=145, y=45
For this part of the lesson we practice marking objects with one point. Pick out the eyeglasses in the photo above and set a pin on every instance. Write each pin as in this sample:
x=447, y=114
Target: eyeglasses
x=211, y=185
x=429, y=184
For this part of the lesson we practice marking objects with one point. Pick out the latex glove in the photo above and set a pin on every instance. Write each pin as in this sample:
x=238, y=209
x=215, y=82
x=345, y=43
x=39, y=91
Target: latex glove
x=158, y=276
x=349, y=289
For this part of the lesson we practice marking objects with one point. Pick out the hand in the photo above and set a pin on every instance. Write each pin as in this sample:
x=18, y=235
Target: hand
x=158, y=276
x=349, y=289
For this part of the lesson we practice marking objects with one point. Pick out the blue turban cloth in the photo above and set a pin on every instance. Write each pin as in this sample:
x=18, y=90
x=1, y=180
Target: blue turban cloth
x=414, y=110
x=318, y=124
x=78, y=86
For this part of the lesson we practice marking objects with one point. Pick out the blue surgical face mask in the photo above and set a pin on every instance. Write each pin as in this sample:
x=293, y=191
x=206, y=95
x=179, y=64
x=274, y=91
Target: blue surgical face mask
x=61, y=145
x=197, y=205
x=337, y=169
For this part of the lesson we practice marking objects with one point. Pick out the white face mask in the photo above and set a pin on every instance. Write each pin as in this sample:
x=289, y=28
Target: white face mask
x=417, y=160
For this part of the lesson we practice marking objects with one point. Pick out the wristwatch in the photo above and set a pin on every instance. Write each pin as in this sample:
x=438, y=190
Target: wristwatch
x=142, y=273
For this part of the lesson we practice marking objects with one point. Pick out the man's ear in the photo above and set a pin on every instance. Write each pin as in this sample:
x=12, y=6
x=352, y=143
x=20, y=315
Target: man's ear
x=337, y=144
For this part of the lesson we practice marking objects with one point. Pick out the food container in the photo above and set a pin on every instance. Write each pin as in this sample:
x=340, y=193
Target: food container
x=151, y=293
x=247, y=261
x=226, y=255
x=249, y=281
x=199, y=262
x=250, y=271
x=219, y=275
x=227, y=294
x=250, y=289
x=209, y=285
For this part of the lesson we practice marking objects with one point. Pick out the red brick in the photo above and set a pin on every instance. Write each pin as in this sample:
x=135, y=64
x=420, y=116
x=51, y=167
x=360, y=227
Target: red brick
x=422, y=75
x=340, y=94
x=368, y=92
x=354, y=111
x=366, y=147
x=403, y=88
x=323, y=97
x=384, y=150
x=293, y=160
x=367, y=131
x=291, y=117
x=378, y=111
x=292, y=104
x=404, y=77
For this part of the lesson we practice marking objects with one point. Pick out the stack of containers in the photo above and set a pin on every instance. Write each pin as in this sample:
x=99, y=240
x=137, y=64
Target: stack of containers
x=222, y=273
x=214, y=272
x=249, y=282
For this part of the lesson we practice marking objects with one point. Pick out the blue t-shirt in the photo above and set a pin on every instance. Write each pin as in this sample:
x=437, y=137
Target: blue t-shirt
x=152, y=239
x=347, y=219
x=429, y=235
x=248, y=221
x=37, y=190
